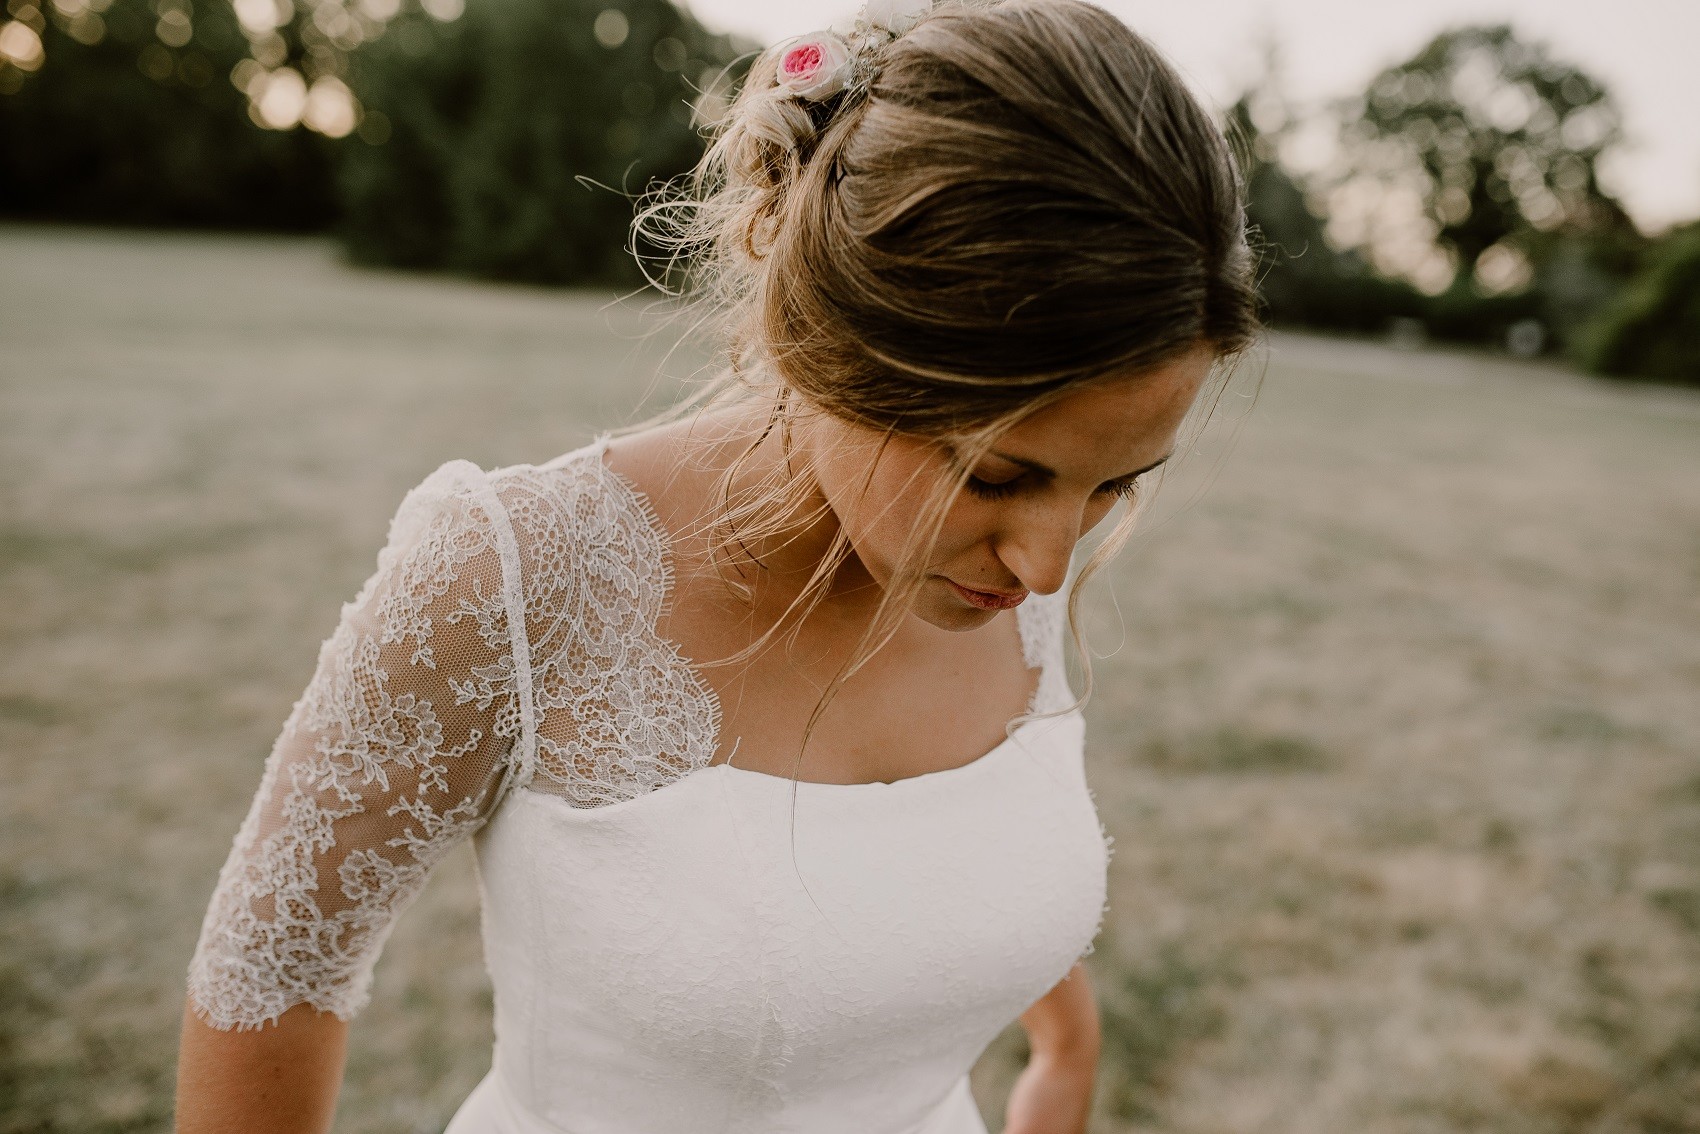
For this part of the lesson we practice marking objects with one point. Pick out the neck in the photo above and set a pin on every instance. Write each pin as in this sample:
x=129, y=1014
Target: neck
x=788, y=556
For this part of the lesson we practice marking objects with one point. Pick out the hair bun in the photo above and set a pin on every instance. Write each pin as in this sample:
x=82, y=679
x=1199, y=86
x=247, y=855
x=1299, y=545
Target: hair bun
x=895, y=16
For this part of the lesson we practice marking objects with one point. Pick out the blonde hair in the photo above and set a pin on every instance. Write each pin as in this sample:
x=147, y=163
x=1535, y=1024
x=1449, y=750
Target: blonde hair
x=1024, y=198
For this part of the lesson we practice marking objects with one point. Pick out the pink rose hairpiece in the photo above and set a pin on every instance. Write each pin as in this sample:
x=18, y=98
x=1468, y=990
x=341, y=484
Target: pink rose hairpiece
x=823, y=64
x=817, y=66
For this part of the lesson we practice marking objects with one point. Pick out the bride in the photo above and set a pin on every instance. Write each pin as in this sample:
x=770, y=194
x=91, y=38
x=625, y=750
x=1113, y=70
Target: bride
x=757, y=716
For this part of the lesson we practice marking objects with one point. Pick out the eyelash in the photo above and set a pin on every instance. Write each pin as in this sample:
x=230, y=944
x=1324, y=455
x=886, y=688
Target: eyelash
x=986, y=490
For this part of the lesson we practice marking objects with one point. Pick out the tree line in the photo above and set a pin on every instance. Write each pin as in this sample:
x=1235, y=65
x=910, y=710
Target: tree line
x=1484, y=150
x=508, y=140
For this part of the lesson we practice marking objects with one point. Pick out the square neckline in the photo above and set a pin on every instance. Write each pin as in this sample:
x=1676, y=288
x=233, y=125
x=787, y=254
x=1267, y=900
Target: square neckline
x=597, y=451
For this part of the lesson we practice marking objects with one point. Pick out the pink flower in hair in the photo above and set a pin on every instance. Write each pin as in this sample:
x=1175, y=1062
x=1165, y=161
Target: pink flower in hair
x=816, y=66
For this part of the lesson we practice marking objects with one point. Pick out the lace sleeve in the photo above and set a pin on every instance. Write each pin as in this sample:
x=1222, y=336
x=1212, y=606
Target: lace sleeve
x=400, y=747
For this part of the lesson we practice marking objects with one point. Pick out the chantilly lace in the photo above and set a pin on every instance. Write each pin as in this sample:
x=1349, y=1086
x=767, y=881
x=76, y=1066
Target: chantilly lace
x=506, y=640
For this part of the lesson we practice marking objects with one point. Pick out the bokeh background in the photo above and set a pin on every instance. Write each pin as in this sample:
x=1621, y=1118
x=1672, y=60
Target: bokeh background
x=1397, y=710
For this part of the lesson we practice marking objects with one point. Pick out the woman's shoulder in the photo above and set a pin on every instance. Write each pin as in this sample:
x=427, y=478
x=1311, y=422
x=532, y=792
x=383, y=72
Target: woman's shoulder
x=567, y=508
x=628, y=492
x=462, y=476
x=552, y=525
x=519, y=497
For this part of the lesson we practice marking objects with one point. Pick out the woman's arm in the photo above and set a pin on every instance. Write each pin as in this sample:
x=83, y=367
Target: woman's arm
x=1054, y=1093
x=282, y=1078
x=397, y=751
x=1062, y=1025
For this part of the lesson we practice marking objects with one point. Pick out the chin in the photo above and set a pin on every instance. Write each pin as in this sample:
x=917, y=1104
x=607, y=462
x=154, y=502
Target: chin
x=955, y=621
x=937, y=605
x=948, y=613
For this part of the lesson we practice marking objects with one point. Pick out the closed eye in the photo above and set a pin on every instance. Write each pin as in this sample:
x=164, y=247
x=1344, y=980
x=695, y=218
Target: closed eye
x=1126, y=489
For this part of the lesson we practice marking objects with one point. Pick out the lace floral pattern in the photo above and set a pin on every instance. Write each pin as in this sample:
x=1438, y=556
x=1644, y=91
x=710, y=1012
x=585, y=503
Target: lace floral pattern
x=506, y=640
x=395, y=752
x=620, y=713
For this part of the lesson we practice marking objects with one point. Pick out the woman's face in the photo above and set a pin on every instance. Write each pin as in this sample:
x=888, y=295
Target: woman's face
x=1047, y=481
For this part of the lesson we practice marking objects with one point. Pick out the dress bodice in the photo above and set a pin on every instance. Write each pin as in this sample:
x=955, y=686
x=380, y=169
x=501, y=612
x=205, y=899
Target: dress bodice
x=674, y=944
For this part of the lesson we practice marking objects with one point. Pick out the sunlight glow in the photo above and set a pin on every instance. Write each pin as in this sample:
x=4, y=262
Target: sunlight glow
x=21, y=46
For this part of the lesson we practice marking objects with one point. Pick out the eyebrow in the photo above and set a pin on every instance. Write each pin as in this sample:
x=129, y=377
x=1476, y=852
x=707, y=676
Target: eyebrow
x=1042, y=470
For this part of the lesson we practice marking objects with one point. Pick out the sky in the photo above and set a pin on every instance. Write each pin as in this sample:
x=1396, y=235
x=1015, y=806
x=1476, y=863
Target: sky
x=1647, y=52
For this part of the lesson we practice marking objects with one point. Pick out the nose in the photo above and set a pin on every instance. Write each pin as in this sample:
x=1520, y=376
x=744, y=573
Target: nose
x=1038, y=545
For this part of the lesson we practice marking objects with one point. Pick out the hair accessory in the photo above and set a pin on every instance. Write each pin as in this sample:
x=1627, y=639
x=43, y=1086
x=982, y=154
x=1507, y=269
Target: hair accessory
x=816, y=67
x=822, y=64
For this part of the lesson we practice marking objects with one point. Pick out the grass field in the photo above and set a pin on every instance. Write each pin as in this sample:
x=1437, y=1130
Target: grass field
x=1397, y=727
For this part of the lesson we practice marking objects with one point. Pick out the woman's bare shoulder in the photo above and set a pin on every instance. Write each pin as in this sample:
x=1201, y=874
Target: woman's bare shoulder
x=677, y=464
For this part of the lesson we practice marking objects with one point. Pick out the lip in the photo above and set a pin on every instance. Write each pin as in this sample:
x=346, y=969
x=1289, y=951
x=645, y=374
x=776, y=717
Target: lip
x=988, y=600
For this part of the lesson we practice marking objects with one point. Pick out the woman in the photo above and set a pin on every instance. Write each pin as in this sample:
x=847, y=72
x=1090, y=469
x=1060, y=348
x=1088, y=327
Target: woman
x=976, y=265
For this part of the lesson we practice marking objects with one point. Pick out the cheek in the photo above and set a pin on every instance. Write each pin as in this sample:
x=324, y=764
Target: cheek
x=1098, y=511
x=881, y=524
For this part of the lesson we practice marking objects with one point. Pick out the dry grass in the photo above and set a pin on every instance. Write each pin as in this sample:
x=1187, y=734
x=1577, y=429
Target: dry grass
x=1400, y=746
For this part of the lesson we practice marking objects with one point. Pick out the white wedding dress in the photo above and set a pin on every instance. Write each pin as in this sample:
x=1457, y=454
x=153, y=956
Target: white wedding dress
x=665, y=958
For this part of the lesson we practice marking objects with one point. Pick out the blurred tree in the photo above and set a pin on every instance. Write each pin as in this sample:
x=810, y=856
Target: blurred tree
x=1652, y=330
x=1500, y=142
x=1305, y=280
x=503, y=144
x=128, y=111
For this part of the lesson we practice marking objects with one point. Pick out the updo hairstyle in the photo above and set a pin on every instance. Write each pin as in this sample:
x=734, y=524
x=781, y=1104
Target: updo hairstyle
x=1022, y=198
